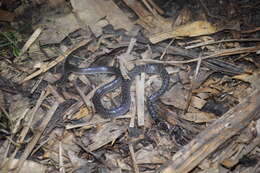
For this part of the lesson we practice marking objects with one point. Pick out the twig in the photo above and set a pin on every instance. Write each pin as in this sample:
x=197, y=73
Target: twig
x=222, y=41
x=94, y=123
x=140, y=93
x=140, y=98
x=124, y=59
x=224, y=52
x=45, y=68
x=159, y=10
x=61, y=160
x=250, y=31
x=30, y=41
x=165, y=50
x=132, y=111
x=36, y=84
x=87, y=124
x=194, y=78
x=150, y=8
x=131, y=149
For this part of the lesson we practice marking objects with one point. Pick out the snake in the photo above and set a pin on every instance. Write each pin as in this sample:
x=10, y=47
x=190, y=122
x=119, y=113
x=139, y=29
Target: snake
x=125, y=84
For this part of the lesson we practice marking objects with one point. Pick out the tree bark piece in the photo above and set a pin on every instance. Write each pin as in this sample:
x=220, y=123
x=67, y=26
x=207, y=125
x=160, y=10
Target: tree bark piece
x=211, y=138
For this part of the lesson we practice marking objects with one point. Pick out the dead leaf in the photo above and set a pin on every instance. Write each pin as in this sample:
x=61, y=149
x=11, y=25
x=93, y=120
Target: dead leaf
x=199, y=117
x=149, y=155
x=58, y=28
x=197, y=102
x=109, y=132
x=83, y=112
x=252, y=78
x=175, y=96
x=91, y=13
x=196, y=28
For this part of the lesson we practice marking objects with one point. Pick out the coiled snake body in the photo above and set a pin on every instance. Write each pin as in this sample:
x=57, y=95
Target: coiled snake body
x=125, y=86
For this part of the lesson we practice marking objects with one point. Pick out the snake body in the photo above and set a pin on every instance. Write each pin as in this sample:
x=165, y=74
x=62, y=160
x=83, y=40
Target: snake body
x=125, y=85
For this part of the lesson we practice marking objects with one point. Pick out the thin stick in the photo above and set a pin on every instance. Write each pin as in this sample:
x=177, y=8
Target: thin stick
x=225, y=52
x=140, y=98
x=31, y=40
x=223, y=41
x=150, y=8
x=165, y=50
x=250, y=31
x=159, y=10
x=61, y=160
x=131, y=148
x=194, y=78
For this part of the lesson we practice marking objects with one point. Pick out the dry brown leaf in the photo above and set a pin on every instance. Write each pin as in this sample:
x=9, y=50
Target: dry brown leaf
x=196, y=28
x=83, y=112
x=197, y=102
x=107, y=133
x=199, y=117
x=175, y=96
x=149, y=155
x=252, y=79
x=58, y=28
